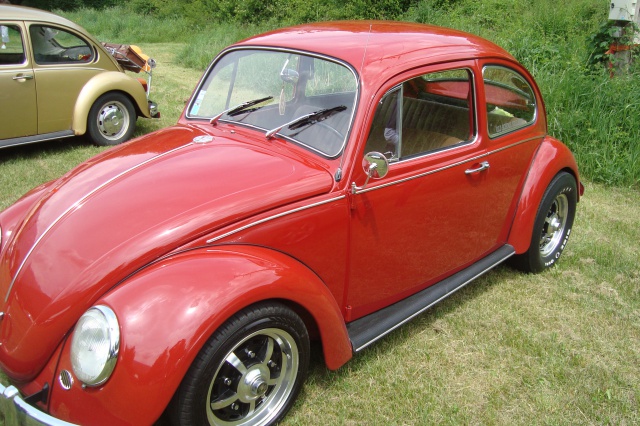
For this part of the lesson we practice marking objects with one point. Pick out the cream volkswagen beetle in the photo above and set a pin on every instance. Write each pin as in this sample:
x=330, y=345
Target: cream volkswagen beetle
x=56, y=81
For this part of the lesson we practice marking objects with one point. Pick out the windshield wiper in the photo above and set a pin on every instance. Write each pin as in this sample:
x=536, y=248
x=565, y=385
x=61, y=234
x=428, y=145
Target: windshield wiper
x=307, y=120
x=240, y=108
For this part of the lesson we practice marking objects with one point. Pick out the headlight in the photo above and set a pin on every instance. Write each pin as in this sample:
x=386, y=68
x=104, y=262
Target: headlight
x=95, y=345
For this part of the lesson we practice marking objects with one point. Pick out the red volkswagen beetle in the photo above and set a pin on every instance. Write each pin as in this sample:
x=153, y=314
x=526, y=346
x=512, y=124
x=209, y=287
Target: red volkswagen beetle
x=328, y=181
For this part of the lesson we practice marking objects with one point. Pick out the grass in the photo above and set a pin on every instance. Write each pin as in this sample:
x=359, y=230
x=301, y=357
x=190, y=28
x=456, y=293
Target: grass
x=562, y=347
x=555, y=348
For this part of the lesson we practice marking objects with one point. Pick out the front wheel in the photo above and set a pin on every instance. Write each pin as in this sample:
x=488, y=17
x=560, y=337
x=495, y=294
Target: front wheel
x=112, y=119
x=248, y=373
x=552, y=226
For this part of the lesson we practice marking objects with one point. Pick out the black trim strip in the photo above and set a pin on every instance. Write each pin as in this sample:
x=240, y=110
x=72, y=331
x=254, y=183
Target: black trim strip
x=38, y=138
x=366, y=330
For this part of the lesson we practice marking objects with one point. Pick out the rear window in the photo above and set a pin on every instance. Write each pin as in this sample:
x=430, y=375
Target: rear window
x=510, y=101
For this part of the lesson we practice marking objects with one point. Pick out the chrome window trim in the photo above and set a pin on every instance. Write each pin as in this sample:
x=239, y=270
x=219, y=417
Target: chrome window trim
x=356, y=99
x=440, y=169
x=75, y=205
x=273, y=217
x=533, y=92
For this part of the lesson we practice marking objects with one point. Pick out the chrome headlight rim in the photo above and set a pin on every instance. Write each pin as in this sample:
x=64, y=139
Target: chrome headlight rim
x=112, y=328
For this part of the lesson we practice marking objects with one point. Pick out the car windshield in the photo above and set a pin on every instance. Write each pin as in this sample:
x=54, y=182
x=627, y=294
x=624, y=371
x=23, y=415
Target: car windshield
x=307, y=99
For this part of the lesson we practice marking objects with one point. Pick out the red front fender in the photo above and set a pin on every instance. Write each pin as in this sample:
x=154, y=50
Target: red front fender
x=552, y=157
x=169, y=310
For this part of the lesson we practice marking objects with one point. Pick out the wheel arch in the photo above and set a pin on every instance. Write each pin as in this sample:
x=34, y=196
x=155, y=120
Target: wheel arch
x=100, y=84
x=168, y=311
x=551, y=158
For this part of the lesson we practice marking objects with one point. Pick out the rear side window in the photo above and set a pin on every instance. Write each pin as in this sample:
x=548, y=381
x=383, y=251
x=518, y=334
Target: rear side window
x=55, y=46
x=510, y=101
x=12, y=48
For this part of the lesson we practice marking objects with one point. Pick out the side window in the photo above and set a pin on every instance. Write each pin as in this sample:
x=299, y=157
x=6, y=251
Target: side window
x=55, y=46
x=510, y=101
x=11, y=49
x=435, y=112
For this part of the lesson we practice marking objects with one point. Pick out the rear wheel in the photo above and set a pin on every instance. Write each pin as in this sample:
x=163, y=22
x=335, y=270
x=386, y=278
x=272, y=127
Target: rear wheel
x=112, y=119
x=552, y=226
x=248, y=373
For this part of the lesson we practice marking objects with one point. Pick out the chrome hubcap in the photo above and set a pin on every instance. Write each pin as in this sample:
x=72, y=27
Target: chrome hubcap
x=113, y=120
x=255, y=379
x=254, y=384
x=554, y=225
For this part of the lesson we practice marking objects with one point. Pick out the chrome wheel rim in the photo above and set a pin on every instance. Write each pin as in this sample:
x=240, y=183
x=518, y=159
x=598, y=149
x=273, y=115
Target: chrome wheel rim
x=255, y=379
x=113, y=120
x=554, y=225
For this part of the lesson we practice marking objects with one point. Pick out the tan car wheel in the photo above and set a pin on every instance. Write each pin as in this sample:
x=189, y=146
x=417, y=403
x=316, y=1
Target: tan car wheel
x=112, y=119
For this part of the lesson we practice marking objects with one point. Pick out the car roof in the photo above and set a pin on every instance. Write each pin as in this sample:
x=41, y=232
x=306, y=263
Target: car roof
x=22, y=13
x=372, y=47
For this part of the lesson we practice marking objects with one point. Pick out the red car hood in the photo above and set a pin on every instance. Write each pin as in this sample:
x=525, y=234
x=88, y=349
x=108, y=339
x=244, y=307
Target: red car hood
x=121, y=210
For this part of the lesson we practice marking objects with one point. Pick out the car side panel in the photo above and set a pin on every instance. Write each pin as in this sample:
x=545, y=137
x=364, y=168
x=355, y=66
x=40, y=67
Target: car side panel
x=168, y=311
x=18, y=103
x=58, y=88
x=551, y=158
x=101, y=84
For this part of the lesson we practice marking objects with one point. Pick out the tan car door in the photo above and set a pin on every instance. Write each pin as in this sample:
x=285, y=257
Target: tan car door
x=63, y=63
x=18, y=107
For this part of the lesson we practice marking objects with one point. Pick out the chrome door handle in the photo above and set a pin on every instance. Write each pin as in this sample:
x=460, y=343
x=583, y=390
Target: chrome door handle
x=23, y=77
x=483, y=166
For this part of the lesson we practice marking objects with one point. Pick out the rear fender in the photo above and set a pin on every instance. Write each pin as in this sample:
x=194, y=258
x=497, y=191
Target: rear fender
x=168, y=311
x=551, y=158
x=110, y=81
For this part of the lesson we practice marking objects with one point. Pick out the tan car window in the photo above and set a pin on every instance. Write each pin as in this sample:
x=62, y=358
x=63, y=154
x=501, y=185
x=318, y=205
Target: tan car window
x=11, y=49
x=55, y=46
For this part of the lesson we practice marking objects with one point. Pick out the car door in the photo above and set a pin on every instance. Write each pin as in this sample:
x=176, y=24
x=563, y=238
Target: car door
x=18, y=108
x=445, y=201
x=63, y=63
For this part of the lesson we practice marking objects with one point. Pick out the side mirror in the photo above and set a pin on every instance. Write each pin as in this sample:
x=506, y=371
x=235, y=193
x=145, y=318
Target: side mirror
x=289, y=76
x=375, y=165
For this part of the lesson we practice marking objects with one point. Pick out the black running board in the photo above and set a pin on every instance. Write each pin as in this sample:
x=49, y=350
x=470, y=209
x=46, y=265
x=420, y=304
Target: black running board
x=366, y=330
x=38, y=138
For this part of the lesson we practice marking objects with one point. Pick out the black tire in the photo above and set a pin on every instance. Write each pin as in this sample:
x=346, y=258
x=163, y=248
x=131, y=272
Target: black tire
x=552, y=227
x=112, y=119
x=248, y=373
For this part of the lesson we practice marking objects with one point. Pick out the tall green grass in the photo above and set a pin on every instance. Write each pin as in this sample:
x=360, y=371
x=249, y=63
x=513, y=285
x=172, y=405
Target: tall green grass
x=598, y=117
x=119, y=25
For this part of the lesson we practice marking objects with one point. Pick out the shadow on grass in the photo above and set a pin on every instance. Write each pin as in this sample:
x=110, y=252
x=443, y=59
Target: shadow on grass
x=39, y=149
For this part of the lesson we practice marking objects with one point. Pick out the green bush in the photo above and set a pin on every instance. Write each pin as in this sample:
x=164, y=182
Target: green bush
x=201, y=12
x=69, y=4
